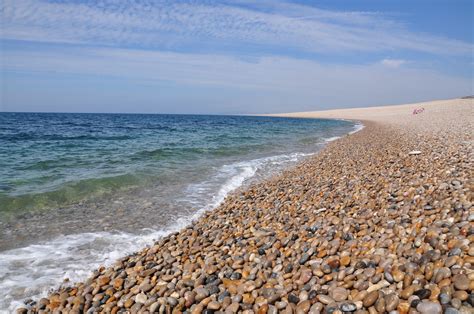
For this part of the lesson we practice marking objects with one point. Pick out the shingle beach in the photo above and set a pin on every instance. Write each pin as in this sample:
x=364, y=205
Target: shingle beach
x=380, y=221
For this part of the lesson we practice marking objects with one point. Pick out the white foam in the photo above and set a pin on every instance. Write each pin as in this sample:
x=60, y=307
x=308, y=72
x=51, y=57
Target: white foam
x=359, y=126
x=237, y=173
x=30, y=272
x=332, y=139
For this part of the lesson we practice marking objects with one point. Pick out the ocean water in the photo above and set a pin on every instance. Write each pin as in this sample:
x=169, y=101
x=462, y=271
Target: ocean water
x=81, y=190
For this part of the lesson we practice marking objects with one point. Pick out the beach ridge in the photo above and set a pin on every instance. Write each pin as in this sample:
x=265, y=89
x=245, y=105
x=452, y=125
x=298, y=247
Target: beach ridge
x=378, y=221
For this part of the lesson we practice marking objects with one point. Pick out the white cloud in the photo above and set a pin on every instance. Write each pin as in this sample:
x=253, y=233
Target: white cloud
x=102, y=30
x=393, y=63
x=266, y=84
x=170, y=24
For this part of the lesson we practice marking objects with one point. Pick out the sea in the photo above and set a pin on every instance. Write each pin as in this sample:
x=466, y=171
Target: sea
x=81, y=190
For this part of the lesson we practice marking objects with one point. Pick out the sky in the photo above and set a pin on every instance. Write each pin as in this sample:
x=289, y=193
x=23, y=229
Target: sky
x=231, y=57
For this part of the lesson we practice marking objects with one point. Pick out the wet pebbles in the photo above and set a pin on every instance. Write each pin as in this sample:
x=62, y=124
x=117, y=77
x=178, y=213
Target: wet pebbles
x=363, y=227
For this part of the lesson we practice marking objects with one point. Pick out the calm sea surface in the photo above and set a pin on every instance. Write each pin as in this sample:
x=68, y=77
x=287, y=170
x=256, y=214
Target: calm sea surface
x=80, y=190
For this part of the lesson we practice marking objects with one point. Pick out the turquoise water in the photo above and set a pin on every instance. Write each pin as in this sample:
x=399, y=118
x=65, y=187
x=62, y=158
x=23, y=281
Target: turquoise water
x=49, y=160
x=81, y=190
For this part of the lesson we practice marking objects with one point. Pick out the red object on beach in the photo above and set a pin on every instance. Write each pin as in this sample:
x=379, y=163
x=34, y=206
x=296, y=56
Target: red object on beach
x=417, y=111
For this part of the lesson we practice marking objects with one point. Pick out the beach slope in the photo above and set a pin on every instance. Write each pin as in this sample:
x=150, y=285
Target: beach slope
x=378, y=221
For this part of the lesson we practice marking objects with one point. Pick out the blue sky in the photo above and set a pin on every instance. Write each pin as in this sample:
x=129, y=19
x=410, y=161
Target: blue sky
x=229, y=57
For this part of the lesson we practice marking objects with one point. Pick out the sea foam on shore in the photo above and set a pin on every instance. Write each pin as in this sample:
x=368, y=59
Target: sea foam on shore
x=31, y=271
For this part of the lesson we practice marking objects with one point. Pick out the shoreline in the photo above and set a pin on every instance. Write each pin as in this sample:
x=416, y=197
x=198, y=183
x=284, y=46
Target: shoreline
x=252, y=252
x=104, y=246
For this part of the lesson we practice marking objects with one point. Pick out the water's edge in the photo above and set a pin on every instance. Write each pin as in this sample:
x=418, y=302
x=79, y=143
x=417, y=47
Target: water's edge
x=104, y=248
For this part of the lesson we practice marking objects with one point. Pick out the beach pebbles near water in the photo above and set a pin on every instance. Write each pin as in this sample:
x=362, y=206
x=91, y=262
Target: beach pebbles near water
x=366, y=226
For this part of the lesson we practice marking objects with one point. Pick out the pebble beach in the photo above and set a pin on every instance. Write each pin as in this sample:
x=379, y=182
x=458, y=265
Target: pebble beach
x=379, y=221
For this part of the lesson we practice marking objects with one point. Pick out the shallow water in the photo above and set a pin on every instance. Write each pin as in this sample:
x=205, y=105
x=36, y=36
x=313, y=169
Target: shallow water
x=81, y=190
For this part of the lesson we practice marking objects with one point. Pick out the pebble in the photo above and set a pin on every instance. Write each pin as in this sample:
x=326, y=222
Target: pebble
x=451, y=310
x=141, y=298
x=427, y=307
x=305, y=276
x=118, y=283
x=213, y=305
x=316, y=308
x=339, y=294
x=233, y=307
x=370, y=299
x=461, y=282
x=348, y=307
x=444, y=298
x=381, y=284
x=325, y=299
x=201, y=294
x=391, y=302
x=465, y=310
x=303, y=307
x=293, y=298
x=146, y=287
x=358, y=228
x=456, y=303
x=461, y=295
x=345, y=260
x=422, y=293
x=398, y=275
x=304, y=259
x=470, y=299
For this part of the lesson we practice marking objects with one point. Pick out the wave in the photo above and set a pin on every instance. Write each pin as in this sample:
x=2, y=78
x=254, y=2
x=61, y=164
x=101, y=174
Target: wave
x=30, y=272
x=359, y=126
x=237, y=173
x=330, y=139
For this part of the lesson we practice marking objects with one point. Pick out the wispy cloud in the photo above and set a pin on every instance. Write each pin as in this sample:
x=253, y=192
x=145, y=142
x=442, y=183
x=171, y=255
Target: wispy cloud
x=177, y=25
x=393, y=63
x=265, y=84
x=242, y=54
